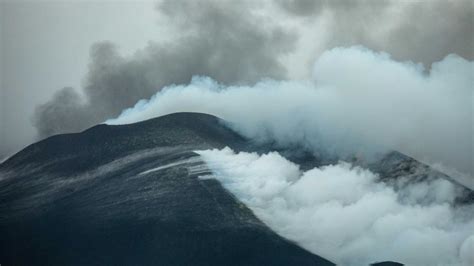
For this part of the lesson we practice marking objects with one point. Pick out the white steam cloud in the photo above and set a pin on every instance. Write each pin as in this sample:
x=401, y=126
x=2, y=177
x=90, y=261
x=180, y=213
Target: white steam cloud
x=341, y=213
x=357, y=101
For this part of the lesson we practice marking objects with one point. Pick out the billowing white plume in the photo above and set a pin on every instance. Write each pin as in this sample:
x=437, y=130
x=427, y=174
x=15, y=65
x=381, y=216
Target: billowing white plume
x=340, y=212
x=358, y=101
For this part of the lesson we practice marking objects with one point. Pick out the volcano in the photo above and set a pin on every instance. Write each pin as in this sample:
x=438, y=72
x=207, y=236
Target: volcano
x=130, y=195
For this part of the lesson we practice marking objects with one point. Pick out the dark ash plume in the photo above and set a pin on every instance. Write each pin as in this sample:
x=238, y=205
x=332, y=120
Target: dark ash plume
x=65, y=112
x=221, y=39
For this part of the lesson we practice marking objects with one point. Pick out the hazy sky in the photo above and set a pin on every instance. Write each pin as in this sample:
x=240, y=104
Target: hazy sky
x=45, y=46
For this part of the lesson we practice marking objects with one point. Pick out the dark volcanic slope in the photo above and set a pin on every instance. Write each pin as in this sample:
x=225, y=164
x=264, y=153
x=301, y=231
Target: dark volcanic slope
x=129, y=195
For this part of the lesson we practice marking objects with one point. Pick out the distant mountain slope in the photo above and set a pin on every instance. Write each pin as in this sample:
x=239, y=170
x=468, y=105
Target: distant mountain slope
x=129, y=195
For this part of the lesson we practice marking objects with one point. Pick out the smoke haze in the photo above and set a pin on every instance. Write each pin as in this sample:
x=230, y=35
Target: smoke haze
x=420, y=31
x=358, y=101
x=232, y=42
x=342, y=213
x=212, y=42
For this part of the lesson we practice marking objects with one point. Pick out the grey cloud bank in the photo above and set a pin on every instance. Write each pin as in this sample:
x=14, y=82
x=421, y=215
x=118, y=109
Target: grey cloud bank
x=420, y=31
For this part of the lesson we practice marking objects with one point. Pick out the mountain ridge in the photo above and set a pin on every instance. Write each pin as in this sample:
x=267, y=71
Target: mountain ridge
x=87, y=198
x=130, y=194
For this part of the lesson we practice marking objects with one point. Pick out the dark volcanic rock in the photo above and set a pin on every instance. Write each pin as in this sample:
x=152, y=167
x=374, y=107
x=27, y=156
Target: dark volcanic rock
x=387, y=263
x=401, y=171
x=129, y=195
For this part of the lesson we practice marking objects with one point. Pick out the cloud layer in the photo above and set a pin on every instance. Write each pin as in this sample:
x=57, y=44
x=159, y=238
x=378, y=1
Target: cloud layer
x=245, y=41
x=340, y=212
x=358, y=101
x=421, y=31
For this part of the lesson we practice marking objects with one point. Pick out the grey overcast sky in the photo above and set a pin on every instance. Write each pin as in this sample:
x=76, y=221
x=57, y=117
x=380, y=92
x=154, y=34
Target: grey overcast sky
x=45, y=46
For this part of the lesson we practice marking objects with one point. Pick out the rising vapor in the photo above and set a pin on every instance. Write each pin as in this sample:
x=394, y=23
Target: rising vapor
x=342, y=213
x=358, y=101
x=243, y=42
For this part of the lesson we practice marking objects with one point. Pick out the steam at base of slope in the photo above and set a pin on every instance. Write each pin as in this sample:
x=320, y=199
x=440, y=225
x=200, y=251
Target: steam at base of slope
x=342, y=213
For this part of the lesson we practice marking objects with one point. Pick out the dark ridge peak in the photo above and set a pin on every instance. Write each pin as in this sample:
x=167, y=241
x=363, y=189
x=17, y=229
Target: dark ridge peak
x=131, y=195
x=386, y=263
x=112, y=141
x=183, y=119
